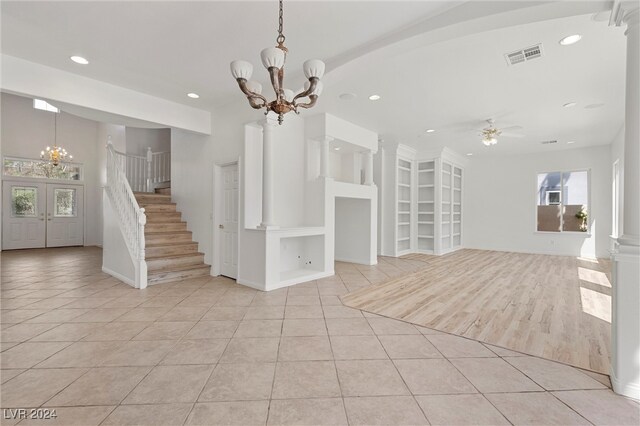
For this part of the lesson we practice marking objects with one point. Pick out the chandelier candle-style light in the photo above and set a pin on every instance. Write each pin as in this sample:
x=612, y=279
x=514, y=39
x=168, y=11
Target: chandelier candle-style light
x=57, y=154
x=273, y=59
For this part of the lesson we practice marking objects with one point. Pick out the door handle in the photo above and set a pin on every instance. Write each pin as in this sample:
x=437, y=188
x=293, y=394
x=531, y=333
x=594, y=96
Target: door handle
x=221, y=226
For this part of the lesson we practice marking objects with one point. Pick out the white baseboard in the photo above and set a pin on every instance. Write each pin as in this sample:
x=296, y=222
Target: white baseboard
x=119, y=276
x=631, y=390
x=251, y=284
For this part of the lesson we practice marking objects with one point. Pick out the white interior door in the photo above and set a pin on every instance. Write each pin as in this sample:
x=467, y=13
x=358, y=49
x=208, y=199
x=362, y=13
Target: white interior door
x=23, y=215
x=65, y=215
x=229, y=225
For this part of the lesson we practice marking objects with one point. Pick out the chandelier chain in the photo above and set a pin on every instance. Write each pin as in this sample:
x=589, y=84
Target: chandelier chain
x=281, y=36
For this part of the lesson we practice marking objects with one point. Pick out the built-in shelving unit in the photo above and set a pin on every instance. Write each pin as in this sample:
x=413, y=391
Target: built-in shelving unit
x=420, y=201
x=404, y=199
x=426, y=205
x=451, y=207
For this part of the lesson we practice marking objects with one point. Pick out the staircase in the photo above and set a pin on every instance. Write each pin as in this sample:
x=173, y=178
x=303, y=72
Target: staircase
x=170, y=252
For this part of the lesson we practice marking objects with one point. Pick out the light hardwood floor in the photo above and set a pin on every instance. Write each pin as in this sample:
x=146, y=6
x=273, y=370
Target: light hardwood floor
x=555, y=307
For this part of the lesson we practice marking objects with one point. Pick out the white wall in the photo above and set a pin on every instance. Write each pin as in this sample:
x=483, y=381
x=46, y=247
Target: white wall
x=191, y=185
x=353, y=230
x=138, y=140
x=27, y=131
x=500, y=203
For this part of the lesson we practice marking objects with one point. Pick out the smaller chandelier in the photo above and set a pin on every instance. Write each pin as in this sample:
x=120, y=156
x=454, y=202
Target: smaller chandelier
x=490, y=134
x=57, y=154
x=273, y=59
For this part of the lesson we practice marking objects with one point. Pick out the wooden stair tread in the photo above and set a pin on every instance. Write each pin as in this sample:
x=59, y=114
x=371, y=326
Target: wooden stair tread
x=178, y=243
x=181, y=268
x=165, y=233
x=174, y=256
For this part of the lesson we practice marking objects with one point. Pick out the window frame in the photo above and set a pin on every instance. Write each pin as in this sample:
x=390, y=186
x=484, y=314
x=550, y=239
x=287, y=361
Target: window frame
x=536, y=198
x=5, y=176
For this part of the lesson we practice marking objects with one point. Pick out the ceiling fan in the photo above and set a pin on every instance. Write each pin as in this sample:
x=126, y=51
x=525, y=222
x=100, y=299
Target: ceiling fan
x=491, y=133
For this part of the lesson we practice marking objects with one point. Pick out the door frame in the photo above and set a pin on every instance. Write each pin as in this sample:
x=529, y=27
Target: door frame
x=217, y=214
x=33, y=181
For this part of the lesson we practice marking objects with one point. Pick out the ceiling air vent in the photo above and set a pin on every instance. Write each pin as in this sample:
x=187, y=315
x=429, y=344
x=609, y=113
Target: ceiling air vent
x=523, y=55
x=548, y=142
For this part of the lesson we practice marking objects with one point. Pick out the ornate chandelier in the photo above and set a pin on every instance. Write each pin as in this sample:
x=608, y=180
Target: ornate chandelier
x=57, y=154
x=273, y=59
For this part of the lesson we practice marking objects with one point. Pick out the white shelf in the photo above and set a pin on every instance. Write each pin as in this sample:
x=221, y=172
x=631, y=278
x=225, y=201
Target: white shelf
x=425, y=223
x=456, y=235
x=404, y=223
x=404, y=239
x=425, y=236
x=403, y=201
x=404, y=185
x=425, y=170
x=426, y=186
x=404, y=168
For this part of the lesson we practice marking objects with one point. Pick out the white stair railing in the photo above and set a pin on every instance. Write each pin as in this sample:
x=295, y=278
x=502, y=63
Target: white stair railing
x=130, y=216
x=145, y=172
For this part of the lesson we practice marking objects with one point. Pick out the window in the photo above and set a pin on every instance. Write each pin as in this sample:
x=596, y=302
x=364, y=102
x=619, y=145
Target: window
x=563, y=201
x=24, y=201
x=23, y=167
x=65, y=202
x=44, y=105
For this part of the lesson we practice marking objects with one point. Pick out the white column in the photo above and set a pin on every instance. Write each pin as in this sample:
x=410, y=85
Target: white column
x=324, y=156
x=268, y=126
x=625, y=321
x=368, y=167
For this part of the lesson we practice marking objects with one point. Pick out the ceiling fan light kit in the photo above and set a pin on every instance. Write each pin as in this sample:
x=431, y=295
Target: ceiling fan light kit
x=273, y=59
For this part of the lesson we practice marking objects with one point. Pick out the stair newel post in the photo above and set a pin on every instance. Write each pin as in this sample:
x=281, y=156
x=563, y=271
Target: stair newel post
x=149, y=161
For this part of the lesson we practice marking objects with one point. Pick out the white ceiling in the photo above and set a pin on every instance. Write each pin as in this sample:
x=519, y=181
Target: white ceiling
x=454, y=86
x=170, y=48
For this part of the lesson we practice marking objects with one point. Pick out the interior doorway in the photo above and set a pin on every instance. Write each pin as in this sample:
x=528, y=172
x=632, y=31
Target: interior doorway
x=38, y=215
x=228, y=225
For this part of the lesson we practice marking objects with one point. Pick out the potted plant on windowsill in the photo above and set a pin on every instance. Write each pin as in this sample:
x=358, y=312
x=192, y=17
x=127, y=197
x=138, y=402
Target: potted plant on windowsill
x=582, y=215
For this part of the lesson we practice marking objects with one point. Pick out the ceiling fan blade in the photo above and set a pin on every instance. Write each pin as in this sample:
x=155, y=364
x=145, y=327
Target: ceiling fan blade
x=512, y=135
x=507, y=128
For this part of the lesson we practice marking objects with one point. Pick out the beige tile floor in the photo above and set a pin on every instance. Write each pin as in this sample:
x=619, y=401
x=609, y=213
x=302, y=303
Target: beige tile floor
x=209, y=351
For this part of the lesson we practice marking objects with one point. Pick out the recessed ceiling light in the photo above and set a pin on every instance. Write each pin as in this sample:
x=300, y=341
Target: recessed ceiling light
x=193, y=95
x=570, y=39
x=347, y=96
x=469, y=154
x=570, y=104
x=79, y=60
x=570, y=142
x=374, y=97
x=337, y=148
x=429, y=131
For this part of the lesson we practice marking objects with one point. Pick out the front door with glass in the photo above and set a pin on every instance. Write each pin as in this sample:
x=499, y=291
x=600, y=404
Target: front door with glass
x=37, y=215
x=24, y=207
x=64, y=215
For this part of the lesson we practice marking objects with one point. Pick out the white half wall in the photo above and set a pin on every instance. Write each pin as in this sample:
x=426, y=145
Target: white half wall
x=500, y=203
x=116, y=260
